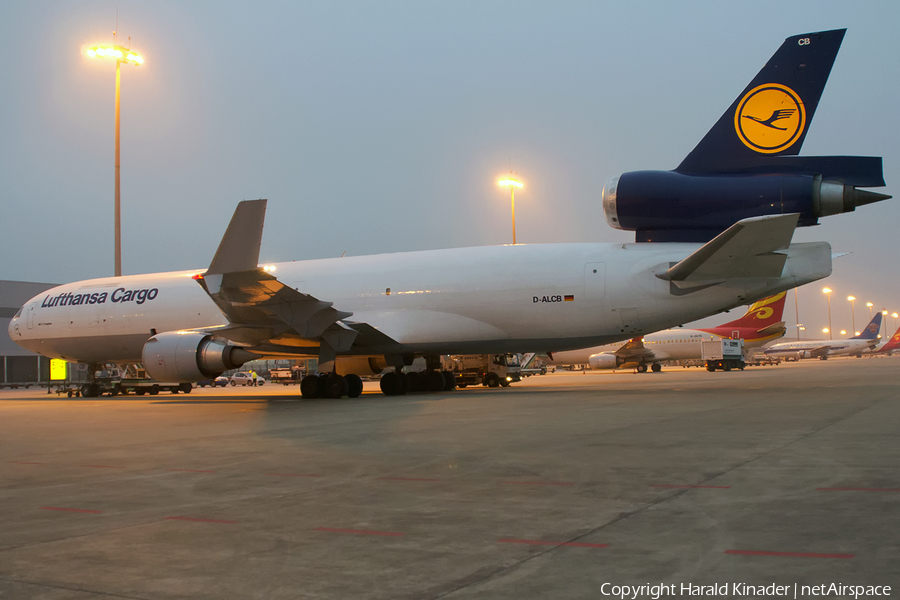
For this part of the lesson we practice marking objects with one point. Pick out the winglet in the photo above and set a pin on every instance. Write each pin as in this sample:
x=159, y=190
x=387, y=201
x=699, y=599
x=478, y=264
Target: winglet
x=239, y=248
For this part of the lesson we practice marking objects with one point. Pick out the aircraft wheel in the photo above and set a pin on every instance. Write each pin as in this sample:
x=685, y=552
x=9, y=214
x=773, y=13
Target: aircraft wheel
x=354, y=385
x=656, y=367
x=642, y=368
x=404, y=384
x=416, y=382
x=309, y=387
x=434, y=381
x=449, y=381
x=391, y=384
x=336, y=386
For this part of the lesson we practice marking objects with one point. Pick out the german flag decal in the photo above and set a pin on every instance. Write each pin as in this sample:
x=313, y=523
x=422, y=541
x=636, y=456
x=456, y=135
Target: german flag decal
x=569, y=298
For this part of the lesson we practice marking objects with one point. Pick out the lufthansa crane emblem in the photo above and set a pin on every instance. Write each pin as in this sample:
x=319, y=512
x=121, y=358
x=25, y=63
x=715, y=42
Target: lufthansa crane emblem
x=770, y=118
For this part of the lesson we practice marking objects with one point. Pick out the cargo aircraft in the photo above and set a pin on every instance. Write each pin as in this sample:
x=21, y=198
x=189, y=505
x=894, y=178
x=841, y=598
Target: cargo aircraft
x=759, y=325
x=713, y=234
x=858, y=345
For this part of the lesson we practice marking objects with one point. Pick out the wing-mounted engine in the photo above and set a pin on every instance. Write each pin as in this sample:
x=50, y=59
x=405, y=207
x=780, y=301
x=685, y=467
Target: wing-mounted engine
x=605, y=360
x=182, y=356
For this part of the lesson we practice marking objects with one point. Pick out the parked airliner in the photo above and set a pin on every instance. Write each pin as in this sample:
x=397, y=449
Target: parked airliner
x=855, y=346
x=711, y=235
x=760, y=324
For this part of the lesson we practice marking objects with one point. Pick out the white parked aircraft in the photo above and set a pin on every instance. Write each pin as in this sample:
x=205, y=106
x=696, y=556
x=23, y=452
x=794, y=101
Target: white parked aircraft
x=759, y=325
x=866, y=341
x=360, y=314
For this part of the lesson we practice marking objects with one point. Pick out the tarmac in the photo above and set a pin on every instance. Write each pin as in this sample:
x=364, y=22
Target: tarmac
x=568, y=485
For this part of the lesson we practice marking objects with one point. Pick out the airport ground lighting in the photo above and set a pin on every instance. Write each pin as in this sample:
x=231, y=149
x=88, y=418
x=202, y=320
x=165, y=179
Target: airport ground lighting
x=827, y=292
x=512, y=184
x=121, y=55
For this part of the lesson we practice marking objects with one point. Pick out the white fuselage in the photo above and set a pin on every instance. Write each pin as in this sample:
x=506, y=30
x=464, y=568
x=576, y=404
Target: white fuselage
x=669, y=344
x=470, y=300
x=829, y=347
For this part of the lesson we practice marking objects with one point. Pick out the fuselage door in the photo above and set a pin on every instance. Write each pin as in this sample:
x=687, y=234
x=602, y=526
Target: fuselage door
x=30, y=315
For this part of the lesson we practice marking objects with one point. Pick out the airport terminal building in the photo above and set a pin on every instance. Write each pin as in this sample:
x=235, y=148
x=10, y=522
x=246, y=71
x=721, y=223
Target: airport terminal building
x=19, y=366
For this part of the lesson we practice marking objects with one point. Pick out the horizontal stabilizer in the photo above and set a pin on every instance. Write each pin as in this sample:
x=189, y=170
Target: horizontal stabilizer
x=775, y=329
x=746, y=249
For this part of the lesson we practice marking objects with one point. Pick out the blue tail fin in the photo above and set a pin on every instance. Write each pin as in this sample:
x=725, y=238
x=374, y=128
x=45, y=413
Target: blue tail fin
x=871, y=330
x=772, y=115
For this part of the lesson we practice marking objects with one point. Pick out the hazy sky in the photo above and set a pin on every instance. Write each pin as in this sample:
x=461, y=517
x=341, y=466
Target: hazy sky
x=383, y=126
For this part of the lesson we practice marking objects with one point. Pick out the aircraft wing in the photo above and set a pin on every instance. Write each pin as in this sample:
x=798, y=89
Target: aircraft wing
x=819, y=351
x=634, y=349
x=262, y=311
x=260, y=308
x=749, y=248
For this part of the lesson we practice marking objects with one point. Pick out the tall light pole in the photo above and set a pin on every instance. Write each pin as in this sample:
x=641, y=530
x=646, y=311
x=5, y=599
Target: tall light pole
x=827, y=292
x=512, y=184
x=852, y=300
x=870, y=305
x=121, y=55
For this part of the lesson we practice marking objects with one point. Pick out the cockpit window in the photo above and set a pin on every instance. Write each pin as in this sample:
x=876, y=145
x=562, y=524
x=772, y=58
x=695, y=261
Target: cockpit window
x=18, y=314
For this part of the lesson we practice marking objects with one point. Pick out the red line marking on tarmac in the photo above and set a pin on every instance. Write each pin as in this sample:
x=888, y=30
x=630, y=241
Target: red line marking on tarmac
x=78, y=510
x=538, y=483
x=548, y=543
x=405, y=479
x=291, y=475
x=708, y=487
x=101, y=467
x=359, y=531
x=198, y=520
x=189, y=471
x=794, y=554
x=24, y=462
x=849, y=489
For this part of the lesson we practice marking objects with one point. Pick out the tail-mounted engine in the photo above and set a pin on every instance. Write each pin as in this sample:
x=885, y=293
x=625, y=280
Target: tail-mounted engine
x=182, y=356
x=668, y=206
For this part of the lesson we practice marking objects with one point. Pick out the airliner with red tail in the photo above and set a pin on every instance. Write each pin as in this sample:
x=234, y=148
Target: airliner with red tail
x=760, y=324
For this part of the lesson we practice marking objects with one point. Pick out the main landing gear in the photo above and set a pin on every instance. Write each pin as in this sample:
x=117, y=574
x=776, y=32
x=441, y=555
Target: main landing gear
x=393, y=383
x=331, y=385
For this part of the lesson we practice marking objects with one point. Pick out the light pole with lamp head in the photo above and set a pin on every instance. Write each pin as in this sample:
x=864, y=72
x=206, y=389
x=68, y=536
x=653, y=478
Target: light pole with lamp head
x=512, y=184
x=122, y=55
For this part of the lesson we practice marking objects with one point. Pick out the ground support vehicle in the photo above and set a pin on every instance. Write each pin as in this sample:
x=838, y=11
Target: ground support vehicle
x=490, y=370
x=112, y=380
x=287, y=376
x=725, y=354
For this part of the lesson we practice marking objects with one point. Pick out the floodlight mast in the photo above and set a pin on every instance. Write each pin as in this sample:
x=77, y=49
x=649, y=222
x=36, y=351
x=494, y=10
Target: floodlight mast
x=512, y=184
x=122, y=55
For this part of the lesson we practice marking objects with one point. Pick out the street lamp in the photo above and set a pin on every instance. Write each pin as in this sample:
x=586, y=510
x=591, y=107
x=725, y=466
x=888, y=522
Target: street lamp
x=512, y=184
x=870, y=305
x=827, y=292
x=852, y=300
x=121, y=55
